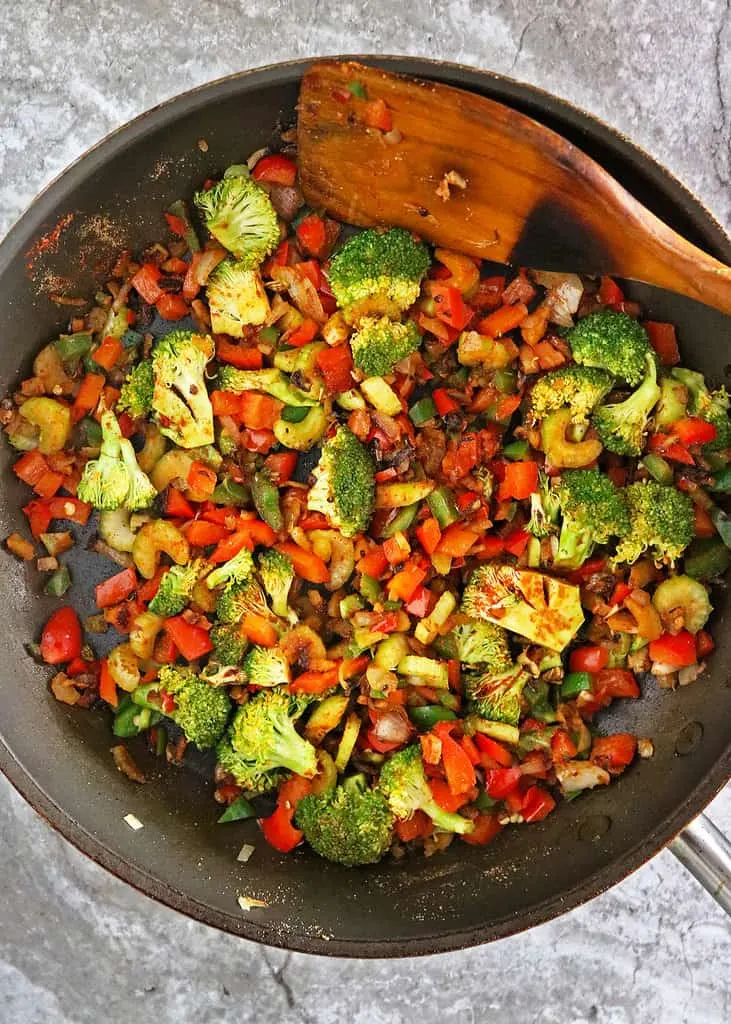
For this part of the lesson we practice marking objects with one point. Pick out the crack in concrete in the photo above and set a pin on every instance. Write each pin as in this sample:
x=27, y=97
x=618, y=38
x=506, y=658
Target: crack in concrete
x=521, y=41
x=724, y=176
x=282, y=983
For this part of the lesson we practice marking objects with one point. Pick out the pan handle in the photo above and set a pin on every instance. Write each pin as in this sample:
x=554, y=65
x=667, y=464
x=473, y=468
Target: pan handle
x=706, y=853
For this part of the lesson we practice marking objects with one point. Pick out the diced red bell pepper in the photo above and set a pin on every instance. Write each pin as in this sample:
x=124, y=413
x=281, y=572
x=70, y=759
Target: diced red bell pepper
x=457, y=766
x=421, y=602
x=693, y=430
x=501, y=781
x=61, y=637
x=147, y=590
x=374, y=563
x=172, y=307
x=315, y=682
x=259, y=630
x=664, y=445
x=107, y=686
x=335, y=365
x=226, y=403
x=201, y=478
x=588, y=659
x=306, y=564
x=610, y=294
x=88, y=395
x=456, y=541
x=108, y=353
x=177, y=506
x=444, y=797
x=311, y=270
x=494, y=750
x=377, y=115
x=450, y=307
x=677, y=650
x=486, y=827
x=519, y=482
x=610, y=683
x=444, y=402
x=418, y=826
x=243, y=357
x=192, y=641
x=311, y=234
x=621, y=590
x=281, y=466
x=257, y=440
x=303, y=334
x=402, y=586
x=703, y=524
x=664, y=341
x=200, y=533
x=563, y=747
x=704, y=643
x=146, y=284
x=259, y=412
x=30, y=467
x=516, y=542
x=39, y=517
x=462, y=458
x=537, y=803
x=614, y=752
x=276, y=169
x=503, y=320
x=429, y=534
x=115, y=589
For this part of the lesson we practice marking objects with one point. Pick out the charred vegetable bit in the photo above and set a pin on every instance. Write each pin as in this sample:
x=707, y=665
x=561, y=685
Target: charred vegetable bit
x=389, y=532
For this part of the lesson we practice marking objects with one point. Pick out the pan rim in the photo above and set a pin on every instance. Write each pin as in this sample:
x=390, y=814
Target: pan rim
x=30, y=223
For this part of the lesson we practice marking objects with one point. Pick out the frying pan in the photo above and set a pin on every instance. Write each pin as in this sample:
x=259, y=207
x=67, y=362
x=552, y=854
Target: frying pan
x=58, y=757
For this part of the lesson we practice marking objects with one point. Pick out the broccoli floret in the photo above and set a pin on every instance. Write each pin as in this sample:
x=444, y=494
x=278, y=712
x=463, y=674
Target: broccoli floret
x=378, y=345
x=239, y=599
x=661, y=522
x=236, y=298
x=496, y=695
x=239, y=213
x=380, y=271
x=544, y=509
x=404, y=784
x=475, y=643
x=175, y=589
x=271, y=380
x=611, y=341
x=216, y=674
x=229, y=645
x=349, y=825
x=236, y=570
x=344, y=487
x=267, y=666
x=180, y=401
x=592, y=510
x=136, y=394
x=621, y=426
x=580, y=388
x=711, y=406
x=277, y=573
x=200, y=710
x=262, y=739
x=115, y=480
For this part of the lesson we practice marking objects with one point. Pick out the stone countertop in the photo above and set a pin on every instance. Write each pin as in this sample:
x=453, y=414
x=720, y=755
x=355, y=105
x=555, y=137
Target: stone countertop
x=77, y=945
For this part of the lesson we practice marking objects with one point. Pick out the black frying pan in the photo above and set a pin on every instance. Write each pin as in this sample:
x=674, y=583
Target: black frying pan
x=59, y=757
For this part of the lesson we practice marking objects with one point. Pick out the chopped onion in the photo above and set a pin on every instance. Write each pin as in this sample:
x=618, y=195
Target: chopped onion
x=302, y=292
x=256, y=157
x=659, y=668
x=134, y=823
x=393, y=137
x=690, y=673
x=249, y=902
x=577, y=775
x=392, y=727
x=245, y=853
x=564, y=294
x=207, y=264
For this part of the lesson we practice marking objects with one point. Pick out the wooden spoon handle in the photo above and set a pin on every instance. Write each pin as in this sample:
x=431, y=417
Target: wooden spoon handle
x=470, y=174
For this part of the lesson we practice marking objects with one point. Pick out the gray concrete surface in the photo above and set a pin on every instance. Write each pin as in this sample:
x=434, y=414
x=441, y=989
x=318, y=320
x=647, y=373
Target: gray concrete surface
x=78, y=946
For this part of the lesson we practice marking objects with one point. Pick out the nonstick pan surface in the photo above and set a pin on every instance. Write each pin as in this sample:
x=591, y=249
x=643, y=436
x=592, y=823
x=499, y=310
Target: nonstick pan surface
x=59, y=758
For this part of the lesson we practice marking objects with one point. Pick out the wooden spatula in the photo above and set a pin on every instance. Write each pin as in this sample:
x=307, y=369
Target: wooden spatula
x=471, y=174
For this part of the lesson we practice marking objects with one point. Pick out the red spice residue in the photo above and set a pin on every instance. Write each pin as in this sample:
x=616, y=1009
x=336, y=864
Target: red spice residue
x=46, y=243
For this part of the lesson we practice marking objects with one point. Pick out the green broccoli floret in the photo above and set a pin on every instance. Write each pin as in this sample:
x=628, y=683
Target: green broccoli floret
x=711, y=406
x=267, y=666
x=262, y=740
x=349, y=825
x=237, y=569
x=495, y=695
x=544, y=509
x=200, y=710
x=115, y=480
x=236, y=298
x=229, y=645
x=611, y=341
x=180, y=402
x=592, y=510
x=270, y=380
x=344, y=487
x=136, y=394
x=661, y=522
x=404, y=784
x=475, y=643
x=239, y=599
x=580, y=388
x=380, y=271
x=175, y=589
x=239, y=213
x=621, y=426
x=277, y=573
x=216, y=674
x=378, y=345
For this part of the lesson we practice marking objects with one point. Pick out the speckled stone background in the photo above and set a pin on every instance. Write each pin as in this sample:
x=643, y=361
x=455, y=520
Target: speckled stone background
x=75, y=944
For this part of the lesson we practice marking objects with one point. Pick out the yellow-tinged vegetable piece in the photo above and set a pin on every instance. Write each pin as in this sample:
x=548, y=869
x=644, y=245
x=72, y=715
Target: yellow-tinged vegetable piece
x=115, y=529
x=400, y=495
x=561, y=452
x=475, y=349
x=381, y=396
x=501, y=731
x=687, y=594
x=434, y=673
x=53, y=420
x=327, y=774
x=124, y=667
x=154, y=538
x=347, y=741
x=303, y=435
x=428, y=628
x=236, y=298
x=325, y=717
x=391, y=652
x=154, y=448
x=143, y=634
